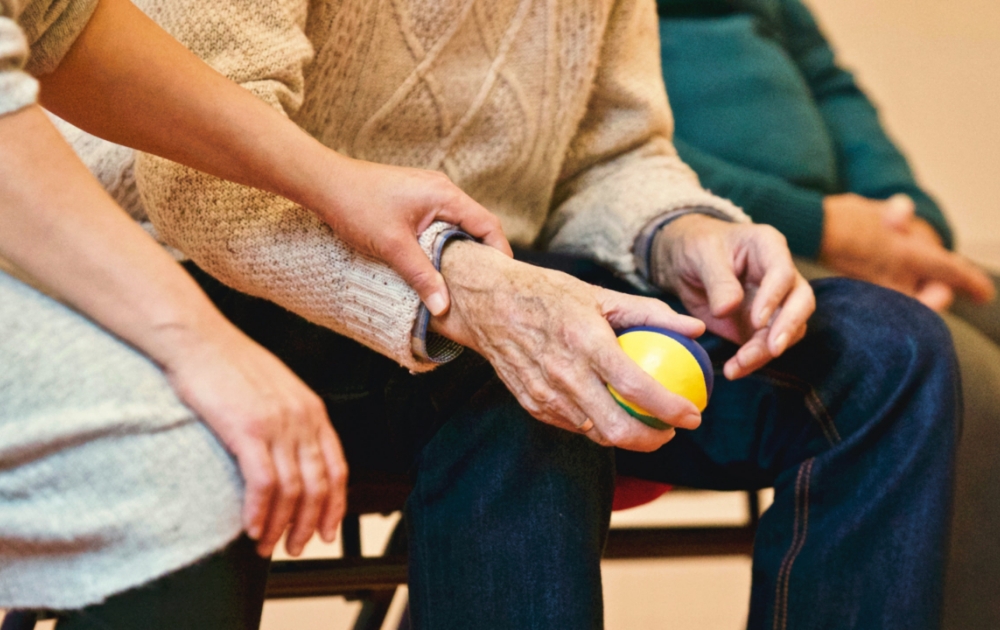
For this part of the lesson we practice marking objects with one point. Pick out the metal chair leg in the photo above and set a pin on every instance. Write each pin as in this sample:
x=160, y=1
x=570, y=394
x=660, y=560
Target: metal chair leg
x=376, y=604
x=19, y=620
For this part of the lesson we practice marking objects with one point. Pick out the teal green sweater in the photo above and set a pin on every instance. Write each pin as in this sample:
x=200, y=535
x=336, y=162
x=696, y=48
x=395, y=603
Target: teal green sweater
x=768, y=119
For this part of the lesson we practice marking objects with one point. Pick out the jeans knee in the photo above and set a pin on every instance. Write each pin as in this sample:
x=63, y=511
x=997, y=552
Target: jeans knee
x=889, y=354
x=495, y=451
x=880, y=330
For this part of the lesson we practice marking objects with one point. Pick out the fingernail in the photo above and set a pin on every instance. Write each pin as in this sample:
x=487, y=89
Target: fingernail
x=781, y=343
x=436, y=303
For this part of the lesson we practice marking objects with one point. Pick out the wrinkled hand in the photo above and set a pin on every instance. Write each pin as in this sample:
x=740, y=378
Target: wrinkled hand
x=550, y=338
x=740, y=279
x=277, y=428
x=381, y=210
x=883, y=242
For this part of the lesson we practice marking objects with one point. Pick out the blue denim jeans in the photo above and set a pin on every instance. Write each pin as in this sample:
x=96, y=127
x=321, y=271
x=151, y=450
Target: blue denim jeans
x=855, y=427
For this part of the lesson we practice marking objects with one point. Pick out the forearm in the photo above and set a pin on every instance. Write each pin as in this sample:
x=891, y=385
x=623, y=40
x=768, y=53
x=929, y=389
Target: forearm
x=61, y=228
x=269, y=247
x=126, y=80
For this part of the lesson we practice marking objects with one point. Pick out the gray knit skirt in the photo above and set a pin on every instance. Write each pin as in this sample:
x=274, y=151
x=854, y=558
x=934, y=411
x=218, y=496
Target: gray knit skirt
x=107, y=480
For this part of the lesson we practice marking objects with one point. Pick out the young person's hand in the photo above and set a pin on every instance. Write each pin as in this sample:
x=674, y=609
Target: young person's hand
x=740, y=280
x=126, y=80
x=62, y=229
x=381, y=210
x=278, y=429
x=885, y=243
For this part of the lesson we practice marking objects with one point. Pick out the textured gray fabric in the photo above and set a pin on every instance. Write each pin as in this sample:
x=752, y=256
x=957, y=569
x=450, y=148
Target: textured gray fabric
x=107, y=480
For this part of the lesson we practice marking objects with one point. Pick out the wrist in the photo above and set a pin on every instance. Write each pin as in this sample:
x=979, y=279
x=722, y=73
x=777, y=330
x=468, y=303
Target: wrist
x=173, y=341
x=458, y=257
x=665, y=240
x=478, y=277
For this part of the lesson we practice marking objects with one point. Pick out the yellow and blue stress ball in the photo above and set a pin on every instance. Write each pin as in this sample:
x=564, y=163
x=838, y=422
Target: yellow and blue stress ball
x=677, y=362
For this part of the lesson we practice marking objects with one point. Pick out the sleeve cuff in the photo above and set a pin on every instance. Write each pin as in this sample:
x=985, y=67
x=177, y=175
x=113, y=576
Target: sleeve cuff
x=429, y=346
x=643, y=247
x=18, y=90
x=52, y=28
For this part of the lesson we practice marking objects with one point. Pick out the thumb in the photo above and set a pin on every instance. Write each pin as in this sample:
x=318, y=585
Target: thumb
x=412, y=264
x=898, y=211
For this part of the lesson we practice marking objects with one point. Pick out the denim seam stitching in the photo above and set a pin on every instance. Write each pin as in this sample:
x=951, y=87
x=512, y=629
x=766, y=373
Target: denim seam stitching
x=812, y=400
x=798, y=542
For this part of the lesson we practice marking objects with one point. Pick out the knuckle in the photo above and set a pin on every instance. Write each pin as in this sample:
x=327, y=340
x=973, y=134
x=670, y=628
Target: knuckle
x=629, y=387
x=292, y=487
x=539, y=391
x=258, y=425
x=319, y=488
x=392, y=242
x=771, y=233
x=338, y=476
x=616, y=434
x=317, y=409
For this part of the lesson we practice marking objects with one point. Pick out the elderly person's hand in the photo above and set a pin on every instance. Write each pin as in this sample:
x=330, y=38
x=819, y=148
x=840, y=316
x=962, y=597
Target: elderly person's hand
x=885, y=243
x=551, y=340
x=740, y=280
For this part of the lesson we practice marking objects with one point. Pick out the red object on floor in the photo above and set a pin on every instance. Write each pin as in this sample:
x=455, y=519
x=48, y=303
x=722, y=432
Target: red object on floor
x=631, y=492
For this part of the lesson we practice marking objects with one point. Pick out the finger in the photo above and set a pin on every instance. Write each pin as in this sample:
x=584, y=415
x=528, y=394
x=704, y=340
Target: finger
x=535, y=391
x=614, y=426
x=796, y=310
x=778, y=282
x=936, y=296
x=715, y=271
x=286, y=499
x=405, y=255
x=314, y=491
x=898, y=212
x=751, y=356
x=260, y=478
x=336, y=468
x=624, y=311
x=616, y=369
x=955, y=271
x=476, y=221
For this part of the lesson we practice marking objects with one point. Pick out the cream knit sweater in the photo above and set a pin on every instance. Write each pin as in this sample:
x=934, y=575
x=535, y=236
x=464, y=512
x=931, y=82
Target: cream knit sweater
x=551, y=113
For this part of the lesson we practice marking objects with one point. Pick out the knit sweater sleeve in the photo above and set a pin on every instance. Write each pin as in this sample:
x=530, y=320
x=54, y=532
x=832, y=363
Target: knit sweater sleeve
x=256, y=242
x=17, y=88
x=870, y=164
x=49, y=29
x=622, y=170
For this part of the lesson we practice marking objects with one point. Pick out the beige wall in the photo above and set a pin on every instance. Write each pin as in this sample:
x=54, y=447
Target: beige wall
x=933, y=67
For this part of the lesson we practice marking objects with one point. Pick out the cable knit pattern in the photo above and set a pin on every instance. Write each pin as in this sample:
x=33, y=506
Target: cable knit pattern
x=550, y=113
